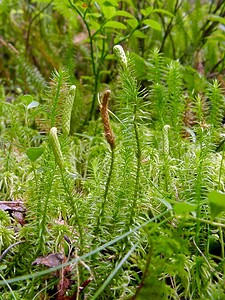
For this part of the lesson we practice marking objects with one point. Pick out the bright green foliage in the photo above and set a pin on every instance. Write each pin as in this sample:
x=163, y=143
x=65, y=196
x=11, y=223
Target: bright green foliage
x=56, y=147
x=217, y=203
x=139, y=218
x=57, y=93
x=34, y=153
x=67, y=109
x=216, y=107
x=89, y=200
x=6, y=233
x=120, y=55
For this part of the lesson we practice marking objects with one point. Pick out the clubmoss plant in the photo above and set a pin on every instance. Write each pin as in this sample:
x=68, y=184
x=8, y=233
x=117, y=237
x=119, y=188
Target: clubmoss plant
x=166, y=149
x=110, y=138
x=57, y=96
x=67, y=110
x=120, y=56
x=130, y=97
x=166, y=96
x=66, y=181
x=85, y=195
x=56, y=147
x=216, y=109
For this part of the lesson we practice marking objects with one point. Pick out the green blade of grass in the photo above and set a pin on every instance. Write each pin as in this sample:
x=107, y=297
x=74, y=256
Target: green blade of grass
x=113, y=273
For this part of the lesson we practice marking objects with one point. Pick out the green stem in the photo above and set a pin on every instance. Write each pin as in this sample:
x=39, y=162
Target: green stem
x=198, y=186
x=207, y=222
x=222, y=243
x=102, y=210
x=74, y=209
x=30, y=24
x=113, y=273
x=95, y=68
x=56, y=100
x=221, y=167
x=42, y=228
x=198, y=198
x=94, y=98
x=35, y=175
x=138, y=157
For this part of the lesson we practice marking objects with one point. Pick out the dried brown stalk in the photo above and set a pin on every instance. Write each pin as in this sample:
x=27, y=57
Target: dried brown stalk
x=105, y=119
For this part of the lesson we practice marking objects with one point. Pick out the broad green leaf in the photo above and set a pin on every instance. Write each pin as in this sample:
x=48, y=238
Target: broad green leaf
x=108, y=11
x=131, y=3
x=216, y=18
x=163, y=11
x=132, y=22
x=111, y=3
x=110, y=56
x=99, y=37
x=216, y=37
x=27, y=98
x=94, y=25
x=95, y=15
x=32, y=104
x=139, y=34
x=34, y=153
x=182, y=208
x=117, y=40
x=153, y=24
x=147, y=11
x=123, y=13
x=217, y=203
x=115, y=25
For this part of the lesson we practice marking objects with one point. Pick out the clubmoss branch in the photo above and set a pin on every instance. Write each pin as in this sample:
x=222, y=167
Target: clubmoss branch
x=138, y=158
x=60, y=162
x=111, y=141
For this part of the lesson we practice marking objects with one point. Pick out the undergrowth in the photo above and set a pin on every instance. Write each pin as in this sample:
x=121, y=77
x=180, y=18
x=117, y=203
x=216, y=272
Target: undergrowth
x=130, y=216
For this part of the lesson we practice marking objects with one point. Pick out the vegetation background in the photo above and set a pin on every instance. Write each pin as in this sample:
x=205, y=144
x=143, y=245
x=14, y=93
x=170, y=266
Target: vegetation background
x=112, y=149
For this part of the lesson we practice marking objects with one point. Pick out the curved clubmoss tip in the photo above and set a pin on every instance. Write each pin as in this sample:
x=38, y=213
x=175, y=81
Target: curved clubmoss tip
x=56, y=147
x=53, y=131
x=73, y=88
x=120, y=55
x=67, y=110
x=166, y=127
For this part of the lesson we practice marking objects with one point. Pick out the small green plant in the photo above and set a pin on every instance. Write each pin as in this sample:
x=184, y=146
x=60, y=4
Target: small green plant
x=124, y=202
